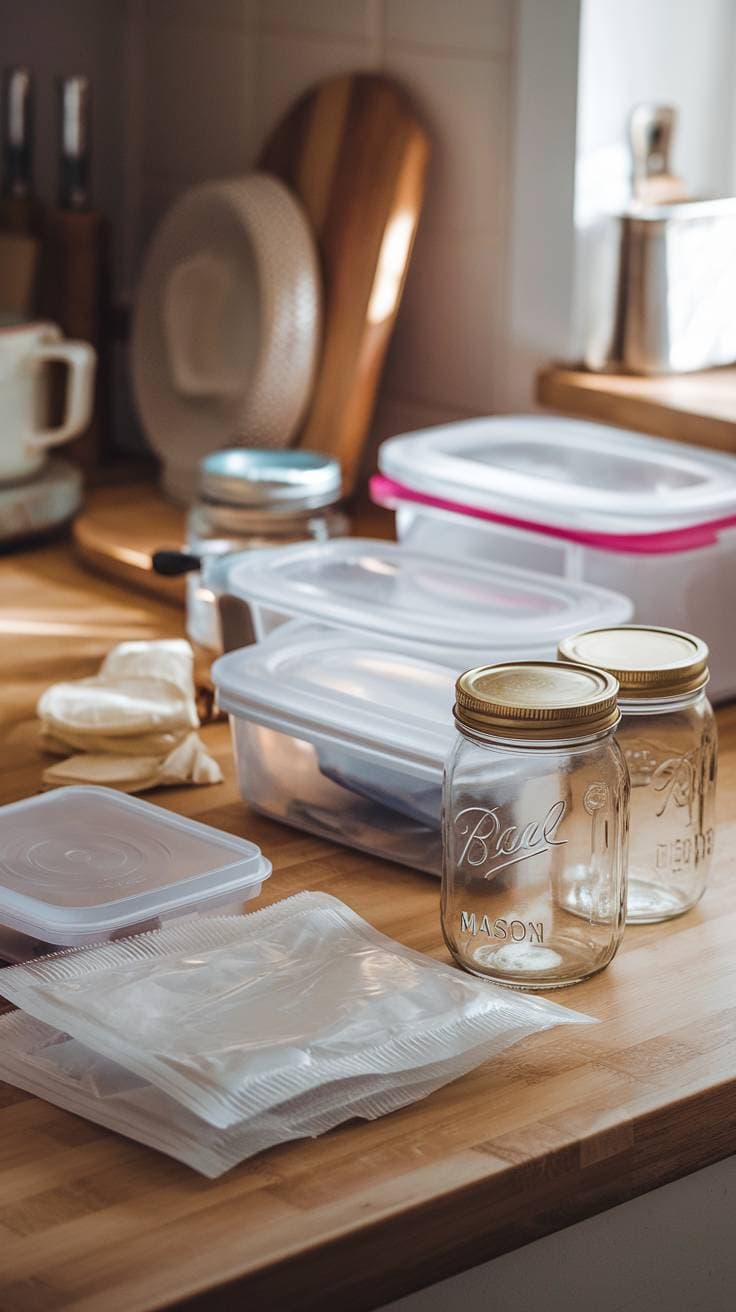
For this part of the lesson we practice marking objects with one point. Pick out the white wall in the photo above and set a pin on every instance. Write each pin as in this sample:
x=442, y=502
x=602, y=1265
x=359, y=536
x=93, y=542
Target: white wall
x=675, y=52
x=529, y=139
x=541, y=247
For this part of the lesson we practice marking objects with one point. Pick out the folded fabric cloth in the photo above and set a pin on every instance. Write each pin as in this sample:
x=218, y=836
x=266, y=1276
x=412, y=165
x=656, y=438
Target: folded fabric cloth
x=188, y=763
x=130, y=726
x=121, y=708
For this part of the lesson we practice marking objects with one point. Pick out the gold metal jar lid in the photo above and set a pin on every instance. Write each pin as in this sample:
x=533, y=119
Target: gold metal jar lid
x=648, y=662
x=537, y=700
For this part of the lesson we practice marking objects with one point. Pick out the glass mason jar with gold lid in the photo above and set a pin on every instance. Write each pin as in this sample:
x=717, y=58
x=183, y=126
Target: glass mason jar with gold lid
x=535, y=815
x=669, y=738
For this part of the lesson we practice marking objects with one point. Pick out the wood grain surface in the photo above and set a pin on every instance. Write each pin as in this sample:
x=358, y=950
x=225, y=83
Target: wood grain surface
x=565, y=1125
x=354, y=152
x=121, y=527
x=698, y=408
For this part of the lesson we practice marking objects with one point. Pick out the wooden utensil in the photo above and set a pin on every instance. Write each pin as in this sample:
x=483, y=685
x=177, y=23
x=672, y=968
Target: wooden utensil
x=355, y=153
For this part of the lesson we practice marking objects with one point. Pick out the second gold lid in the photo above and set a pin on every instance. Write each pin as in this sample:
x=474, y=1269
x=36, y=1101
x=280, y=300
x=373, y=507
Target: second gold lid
x=537, y=700
x=648, y=661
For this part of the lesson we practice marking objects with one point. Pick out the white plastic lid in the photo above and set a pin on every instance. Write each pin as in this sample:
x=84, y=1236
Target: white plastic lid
x=565, y=473
x=80, y=863
x=308, y=677
x=425, y=603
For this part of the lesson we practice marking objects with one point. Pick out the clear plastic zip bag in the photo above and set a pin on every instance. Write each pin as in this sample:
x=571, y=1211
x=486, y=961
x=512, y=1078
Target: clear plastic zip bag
x=234, y=1016
x=51, y=1065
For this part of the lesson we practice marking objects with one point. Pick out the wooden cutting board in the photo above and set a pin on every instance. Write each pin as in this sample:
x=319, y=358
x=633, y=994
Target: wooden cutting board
x=119, y=530
x=356, y=154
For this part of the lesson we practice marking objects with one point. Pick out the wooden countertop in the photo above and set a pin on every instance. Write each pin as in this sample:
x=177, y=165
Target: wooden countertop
x=698, y=408
x=565, y=1125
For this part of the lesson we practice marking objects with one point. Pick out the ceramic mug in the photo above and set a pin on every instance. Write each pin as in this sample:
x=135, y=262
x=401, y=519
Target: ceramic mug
x=25, y=351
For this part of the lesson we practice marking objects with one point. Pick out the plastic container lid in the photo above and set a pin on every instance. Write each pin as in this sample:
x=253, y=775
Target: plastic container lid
x=452, y=610
x=311, y=678
x=549, y=471
x=80, y=863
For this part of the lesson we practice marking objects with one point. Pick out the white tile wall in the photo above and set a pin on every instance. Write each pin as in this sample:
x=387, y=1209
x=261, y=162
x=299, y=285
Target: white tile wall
x=464, y=103
x=187, y=90
x=446, y=344
x=219, y=73
x=477, y=27
x=289, y=62
x=351, y=19
x=199, y=99
x=232, y=13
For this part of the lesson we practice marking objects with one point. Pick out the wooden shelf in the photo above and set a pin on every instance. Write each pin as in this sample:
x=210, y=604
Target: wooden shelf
x=698, y=408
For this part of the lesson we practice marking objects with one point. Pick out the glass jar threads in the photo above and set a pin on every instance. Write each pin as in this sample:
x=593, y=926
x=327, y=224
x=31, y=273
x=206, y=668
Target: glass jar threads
x=535, y=816
x=668, y=736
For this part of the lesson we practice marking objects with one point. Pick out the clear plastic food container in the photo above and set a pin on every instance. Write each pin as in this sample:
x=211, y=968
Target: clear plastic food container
x=653, y=519
x=455, y=612
x=342, y=736
x=83, y=864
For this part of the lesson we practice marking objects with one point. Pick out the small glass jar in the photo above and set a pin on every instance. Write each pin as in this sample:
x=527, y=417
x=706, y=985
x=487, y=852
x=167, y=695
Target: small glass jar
x=535, y=821
x=248, y=499
x=669, y=738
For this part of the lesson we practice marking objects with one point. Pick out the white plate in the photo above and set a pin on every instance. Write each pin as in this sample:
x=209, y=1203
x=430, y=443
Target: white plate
x=226, y=330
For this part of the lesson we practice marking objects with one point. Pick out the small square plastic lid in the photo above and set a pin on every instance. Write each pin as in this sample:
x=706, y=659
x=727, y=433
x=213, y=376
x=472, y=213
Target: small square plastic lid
x=78, y=864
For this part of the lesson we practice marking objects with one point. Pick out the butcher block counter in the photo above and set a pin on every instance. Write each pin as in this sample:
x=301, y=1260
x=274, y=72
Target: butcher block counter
x=563, y=1126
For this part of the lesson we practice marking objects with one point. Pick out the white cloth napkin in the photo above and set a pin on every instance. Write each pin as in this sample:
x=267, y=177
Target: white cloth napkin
x=132, y=725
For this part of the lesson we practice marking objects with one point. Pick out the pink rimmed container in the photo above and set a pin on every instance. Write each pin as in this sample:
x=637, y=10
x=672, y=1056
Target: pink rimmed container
x=653, y=519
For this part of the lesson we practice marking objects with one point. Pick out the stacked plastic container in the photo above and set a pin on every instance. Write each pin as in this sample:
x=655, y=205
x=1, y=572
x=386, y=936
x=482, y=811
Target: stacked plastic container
x=342, y=710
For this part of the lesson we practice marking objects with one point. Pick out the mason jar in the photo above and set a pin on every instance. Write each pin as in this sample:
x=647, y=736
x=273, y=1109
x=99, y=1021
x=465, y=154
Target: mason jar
x=535, y=820
x=248, y=499
x=669, y=738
